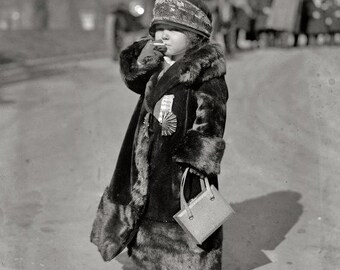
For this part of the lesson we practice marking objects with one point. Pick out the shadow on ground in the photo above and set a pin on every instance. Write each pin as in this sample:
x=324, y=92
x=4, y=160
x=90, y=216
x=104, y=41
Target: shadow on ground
x=259, y=224
x=6, y=102
x=32, y=73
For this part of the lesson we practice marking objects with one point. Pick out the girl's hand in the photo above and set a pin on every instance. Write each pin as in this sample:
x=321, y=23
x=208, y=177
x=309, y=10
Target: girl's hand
x=151, y=54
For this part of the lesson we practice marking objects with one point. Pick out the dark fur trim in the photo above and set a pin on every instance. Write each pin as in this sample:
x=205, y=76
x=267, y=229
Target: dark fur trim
x=140, y=188
x=201, y=152
x=115, y=225
x=202, y=64
x=161, y=245
x=109, y=228
x=136, y=76
x=210, y=112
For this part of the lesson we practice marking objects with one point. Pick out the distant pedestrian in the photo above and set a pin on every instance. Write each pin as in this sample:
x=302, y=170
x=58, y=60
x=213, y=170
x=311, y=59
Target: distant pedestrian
x=244, y=20
x=121, y=23
x=332, y=19
x=315, y=24
x=178, y=123
x=285, y=18
x=226, y=26
x=213, y=6
x=262, y=9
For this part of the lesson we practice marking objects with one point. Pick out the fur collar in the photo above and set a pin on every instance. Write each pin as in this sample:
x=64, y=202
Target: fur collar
x=195, y=67
x=199, y=64
x=202, y=64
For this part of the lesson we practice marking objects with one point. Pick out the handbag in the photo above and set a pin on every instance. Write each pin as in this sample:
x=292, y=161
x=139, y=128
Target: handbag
x=204, y=214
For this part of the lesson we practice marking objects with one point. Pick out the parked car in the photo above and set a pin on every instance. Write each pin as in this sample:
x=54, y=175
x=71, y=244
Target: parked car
x=125, y=24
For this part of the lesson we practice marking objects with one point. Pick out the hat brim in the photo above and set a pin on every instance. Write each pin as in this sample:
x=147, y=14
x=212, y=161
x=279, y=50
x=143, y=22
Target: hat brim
x=152, y=29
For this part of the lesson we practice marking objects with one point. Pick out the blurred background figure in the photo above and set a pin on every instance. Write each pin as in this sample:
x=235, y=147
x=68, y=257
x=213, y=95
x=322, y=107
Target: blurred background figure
x=332, y=21
x=244, y=20
x=47, y=28
x=41, y=14
x=224, y=25
x=213, y=7
x=125, y=18
x=315, y=25
x=233, y=23
x=285, y=20
x=262, y=9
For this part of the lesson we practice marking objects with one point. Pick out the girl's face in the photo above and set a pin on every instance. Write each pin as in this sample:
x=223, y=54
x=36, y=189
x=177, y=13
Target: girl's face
x=175, y=41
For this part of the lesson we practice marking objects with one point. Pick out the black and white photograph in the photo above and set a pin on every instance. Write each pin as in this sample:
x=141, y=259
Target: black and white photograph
x=169, y=134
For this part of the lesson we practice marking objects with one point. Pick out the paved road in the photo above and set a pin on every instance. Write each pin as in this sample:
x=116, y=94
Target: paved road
x=60, y=136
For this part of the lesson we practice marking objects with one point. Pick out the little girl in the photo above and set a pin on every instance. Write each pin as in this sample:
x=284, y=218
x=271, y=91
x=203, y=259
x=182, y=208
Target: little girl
x=179, y=122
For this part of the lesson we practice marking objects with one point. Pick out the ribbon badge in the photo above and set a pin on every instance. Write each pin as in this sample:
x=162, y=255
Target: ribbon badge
x=166, y=117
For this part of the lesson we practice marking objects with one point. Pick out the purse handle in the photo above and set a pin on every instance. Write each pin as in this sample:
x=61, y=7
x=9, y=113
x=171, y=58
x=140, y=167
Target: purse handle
x=204, y=186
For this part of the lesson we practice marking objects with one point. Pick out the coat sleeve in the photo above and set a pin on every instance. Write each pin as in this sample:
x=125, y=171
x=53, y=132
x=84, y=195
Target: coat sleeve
x=203, y=146
x=135, y=76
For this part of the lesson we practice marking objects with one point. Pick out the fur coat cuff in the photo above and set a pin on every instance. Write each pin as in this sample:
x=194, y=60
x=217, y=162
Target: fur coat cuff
x=134, y=75
x=201, y=152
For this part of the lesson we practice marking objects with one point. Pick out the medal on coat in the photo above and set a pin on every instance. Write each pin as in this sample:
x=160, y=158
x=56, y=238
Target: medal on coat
x=165, y=116
x=169, y=123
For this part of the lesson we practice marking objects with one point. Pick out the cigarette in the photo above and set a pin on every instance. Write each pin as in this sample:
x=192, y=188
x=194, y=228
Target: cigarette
x=158, y=43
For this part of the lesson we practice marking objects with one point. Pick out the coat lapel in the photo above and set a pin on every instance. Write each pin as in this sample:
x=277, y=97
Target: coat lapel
x=197, y=65
x=157, y=89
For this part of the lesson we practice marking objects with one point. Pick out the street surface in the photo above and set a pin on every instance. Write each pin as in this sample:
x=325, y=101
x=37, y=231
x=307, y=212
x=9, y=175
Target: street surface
x=60, y=137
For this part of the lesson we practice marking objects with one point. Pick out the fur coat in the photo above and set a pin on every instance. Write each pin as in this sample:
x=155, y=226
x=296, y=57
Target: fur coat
x=146, y=181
